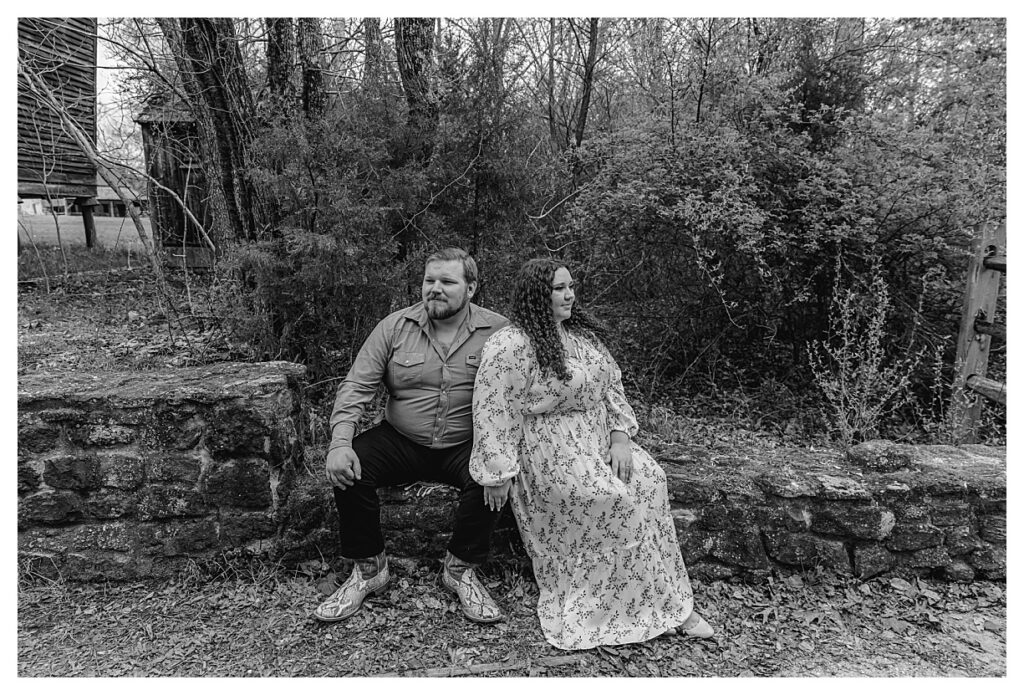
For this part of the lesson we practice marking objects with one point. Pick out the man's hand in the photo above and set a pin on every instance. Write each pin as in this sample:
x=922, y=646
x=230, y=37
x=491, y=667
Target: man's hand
x=343, y=469
x=496, y=495
x=620, y=458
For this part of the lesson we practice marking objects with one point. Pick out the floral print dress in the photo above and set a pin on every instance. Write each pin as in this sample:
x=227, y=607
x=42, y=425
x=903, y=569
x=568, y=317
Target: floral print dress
x=605, y=553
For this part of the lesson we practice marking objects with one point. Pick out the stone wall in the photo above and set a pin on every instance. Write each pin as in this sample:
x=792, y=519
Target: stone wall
x=131, y=474
x=933, y=510
x=936, y=511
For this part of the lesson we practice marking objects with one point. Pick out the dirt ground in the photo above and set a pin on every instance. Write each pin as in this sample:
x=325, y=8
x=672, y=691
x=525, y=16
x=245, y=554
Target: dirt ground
x=260, y=624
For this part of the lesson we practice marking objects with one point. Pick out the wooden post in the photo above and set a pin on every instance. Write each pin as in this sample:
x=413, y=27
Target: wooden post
x=979, y=303
x=86, y=205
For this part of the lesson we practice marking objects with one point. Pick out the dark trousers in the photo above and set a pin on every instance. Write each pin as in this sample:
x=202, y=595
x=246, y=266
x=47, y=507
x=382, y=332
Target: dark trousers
x=389, y=458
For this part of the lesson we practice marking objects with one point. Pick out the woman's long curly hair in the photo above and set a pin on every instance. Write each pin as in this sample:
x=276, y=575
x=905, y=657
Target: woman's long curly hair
x=531, y=312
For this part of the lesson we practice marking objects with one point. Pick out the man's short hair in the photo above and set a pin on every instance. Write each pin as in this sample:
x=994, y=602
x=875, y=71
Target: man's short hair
x=456, y=254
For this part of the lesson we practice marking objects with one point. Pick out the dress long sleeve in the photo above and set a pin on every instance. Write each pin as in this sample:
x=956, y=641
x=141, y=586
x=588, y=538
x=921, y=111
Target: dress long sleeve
x=620, y=413
x=499, y=398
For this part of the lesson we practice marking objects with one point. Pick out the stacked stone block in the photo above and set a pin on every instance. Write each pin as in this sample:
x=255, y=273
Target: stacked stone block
x=933, y=510
x=132, y=474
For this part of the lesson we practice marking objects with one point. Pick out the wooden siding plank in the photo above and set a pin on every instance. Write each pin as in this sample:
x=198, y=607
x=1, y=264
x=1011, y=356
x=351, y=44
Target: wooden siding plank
x=64, y=51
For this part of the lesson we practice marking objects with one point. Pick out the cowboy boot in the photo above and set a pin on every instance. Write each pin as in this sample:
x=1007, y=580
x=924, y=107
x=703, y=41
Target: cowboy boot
x=369, y=576
x=460, y=577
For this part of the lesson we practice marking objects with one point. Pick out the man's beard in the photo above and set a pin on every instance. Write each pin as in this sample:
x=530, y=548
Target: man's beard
x=440, y=312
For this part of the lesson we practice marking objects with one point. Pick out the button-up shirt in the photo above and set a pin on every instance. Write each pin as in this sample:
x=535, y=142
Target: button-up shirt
x=430, y=389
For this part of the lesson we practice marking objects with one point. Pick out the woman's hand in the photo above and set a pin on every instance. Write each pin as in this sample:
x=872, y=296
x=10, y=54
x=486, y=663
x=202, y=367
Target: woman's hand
x=620, y=458
x=496, y=495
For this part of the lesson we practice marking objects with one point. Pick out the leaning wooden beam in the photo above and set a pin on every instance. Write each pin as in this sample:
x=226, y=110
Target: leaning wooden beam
x=989, y=388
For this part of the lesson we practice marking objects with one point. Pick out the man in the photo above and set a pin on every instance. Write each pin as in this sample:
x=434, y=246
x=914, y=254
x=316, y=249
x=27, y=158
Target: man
x=427, y=357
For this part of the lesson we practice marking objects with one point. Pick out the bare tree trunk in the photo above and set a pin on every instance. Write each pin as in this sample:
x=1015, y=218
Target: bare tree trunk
x=311, y=46
x=499, y=47
x=766, y=41
x=373, y=73
x=210, y=60
x=414, y=44
x=588, y=80
x=377, y=77
x=280, y=59
x=556, y=139
x=705, y=65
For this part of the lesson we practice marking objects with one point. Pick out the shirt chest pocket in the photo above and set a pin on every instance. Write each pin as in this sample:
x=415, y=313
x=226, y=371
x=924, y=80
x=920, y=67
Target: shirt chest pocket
x=407, y=367
x=465, y=370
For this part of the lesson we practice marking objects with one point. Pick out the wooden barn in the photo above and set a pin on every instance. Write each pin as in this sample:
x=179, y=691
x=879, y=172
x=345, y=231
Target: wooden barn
x=62, y=51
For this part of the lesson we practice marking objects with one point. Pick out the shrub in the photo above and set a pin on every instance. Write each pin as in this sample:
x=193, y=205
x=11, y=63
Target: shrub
x=861, y=383
x=307, y=298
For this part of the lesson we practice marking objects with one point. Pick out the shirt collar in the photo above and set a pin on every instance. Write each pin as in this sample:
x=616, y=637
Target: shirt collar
x=477, y=318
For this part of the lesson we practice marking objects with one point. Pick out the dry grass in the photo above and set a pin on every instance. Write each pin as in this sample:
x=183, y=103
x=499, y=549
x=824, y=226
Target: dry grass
x=111, y=320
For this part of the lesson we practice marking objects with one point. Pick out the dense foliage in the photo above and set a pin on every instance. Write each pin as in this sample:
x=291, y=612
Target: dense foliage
x=715, y=185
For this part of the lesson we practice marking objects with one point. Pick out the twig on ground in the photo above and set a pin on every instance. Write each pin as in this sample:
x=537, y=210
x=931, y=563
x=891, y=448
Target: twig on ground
x=473, y=669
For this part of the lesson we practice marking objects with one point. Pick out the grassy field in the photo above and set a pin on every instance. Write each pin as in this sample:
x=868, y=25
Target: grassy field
x=117, y=245
x=112, y=233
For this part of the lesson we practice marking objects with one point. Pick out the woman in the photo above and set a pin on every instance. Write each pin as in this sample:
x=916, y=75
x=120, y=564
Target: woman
x=592, y=508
